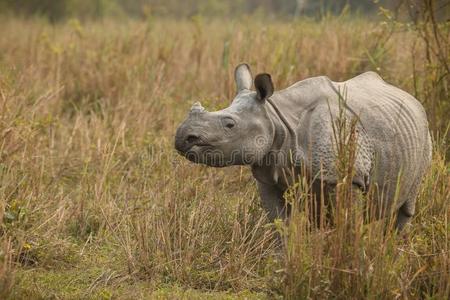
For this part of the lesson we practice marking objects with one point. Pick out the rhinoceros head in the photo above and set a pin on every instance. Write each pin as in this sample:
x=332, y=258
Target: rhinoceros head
x=239, y=134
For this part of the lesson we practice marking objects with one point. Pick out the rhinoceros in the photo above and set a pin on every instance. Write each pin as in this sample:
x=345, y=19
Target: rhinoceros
x=280, y=133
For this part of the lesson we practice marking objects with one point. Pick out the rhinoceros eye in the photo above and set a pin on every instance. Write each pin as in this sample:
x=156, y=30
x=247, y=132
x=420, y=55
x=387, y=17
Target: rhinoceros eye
x=228, y=122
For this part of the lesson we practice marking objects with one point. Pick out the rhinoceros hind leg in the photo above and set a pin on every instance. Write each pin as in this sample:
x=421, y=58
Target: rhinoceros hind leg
x=403, y=218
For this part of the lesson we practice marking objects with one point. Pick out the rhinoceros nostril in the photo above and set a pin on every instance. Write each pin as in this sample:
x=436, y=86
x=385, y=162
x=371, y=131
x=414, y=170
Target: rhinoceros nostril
x=192, y=139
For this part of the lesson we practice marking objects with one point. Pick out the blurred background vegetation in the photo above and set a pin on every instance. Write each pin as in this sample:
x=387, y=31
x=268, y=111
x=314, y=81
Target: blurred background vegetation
x=86, y=9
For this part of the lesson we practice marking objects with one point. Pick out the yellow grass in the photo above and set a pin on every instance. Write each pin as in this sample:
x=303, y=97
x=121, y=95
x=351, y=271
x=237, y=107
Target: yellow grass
x=97, y=204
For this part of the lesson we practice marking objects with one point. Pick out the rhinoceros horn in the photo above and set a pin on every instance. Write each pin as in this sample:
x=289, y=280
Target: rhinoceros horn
x=197, y=108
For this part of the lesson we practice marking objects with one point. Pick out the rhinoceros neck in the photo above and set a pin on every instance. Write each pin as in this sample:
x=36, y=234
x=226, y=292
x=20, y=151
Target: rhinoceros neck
x=289, y=107
x=284, y=131
x=285, y=141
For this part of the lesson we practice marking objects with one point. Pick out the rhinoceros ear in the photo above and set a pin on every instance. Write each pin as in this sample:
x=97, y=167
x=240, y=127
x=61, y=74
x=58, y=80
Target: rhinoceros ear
x=264, y=86
x=243, y=77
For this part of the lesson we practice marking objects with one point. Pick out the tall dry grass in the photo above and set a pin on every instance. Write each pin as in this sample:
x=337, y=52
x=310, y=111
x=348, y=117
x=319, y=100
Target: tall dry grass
x=95, y=202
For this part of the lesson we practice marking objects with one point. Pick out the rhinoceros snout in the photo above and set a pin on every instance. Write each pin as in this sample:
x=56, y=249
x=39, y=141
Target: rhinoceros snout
x=186, y=137
x=181, y=144
x=184, y=143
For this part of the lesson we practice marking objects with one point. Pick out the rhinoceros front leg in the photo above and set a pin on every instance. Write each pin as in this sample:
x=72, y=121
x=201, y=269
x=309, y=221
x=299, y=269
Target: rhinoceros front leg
x=273, y=201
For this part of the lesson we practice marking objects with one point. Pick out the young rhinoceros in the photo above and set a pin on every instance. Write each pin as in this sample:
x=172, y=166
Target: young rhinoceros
x=279, y=133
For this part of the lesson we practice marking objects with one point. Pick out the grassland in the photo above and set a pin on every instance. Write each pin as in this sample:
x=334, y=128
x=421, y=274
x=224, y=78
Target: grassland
x=96, y=204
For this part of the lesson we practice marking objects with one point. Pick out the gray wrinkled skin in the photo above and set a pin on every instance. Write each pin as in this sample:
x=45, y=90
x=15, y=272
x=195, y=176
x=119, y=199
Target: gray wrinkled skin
x=278, y=133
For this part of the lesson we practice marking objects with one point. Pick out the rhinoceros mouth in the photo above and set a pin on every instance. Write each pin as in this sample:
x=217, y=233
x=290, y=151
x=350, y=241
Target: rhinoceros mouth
x=199, y=146
x=205, y=154
x=194, y=150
